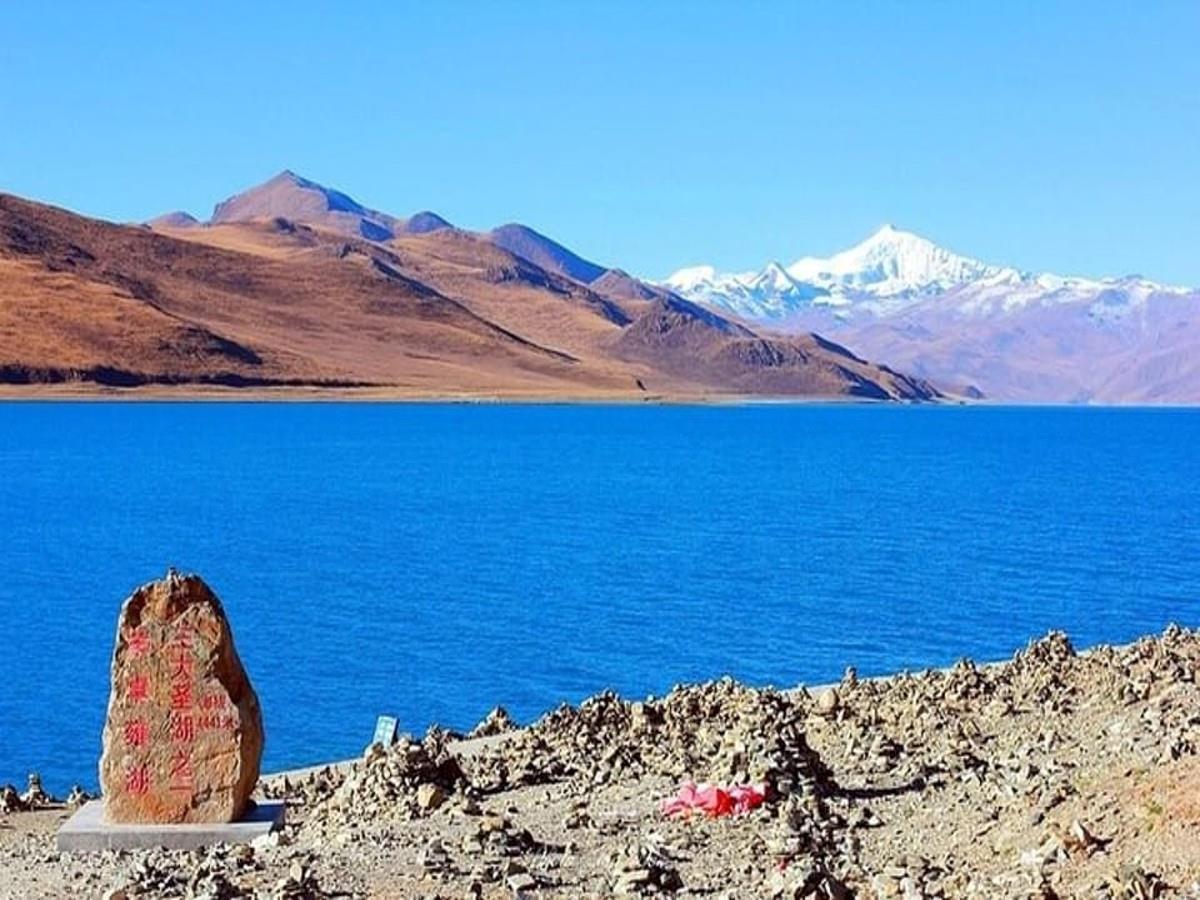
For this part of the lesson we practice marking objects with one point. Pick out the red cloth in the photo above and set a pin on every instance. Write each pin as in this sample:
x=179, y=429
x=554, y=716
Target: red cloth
x=714, y=801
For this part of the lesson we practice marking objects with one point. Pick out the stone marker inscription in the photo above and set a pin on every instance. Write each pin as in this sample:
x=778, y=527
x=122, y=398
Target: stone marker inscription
x=183, y=737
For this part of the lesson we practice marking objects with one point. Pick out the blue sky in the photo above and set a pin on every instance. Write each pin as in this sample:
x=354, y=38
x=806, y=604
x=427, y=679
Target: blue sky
x=1061, y=136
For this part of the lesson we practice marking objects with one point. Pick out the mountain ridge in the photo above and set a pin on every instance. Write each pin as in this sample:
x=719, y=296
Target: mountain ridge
x=977, y=329
x=885, y=269
x=259, y=300
x=290, y=196
x=973, y=327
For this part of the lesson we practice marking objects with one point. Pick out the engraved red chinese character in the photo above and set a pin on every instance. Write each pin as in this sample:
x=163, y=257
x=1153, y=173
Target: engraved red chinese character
x=139, y=688
x=182, y=661
x=181, y=654
x=137, y=733
x=137, y=780
x=181, y=695
x=139, y=641
x=181, y=771
x=181, y=638
x=183, y=728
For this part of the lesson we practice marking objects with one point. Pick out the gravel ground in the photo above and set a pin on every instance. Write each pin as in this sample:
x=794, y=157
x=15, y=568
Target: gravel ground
x=1050, y=775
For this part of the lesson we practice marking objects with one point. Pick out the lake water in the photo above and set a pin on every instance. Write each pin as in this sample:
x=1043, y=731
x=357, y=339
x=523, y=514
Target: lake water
x=433, y=561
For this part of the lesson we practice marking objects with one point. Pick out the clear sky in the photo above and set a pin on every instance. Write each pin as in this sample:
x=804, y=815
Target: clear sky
x=1060, y=136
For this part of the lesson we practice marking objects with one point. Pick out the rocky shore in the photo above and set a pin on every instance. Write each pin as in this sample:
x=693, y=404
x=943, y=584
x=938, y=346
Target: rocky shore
x=1054, y=774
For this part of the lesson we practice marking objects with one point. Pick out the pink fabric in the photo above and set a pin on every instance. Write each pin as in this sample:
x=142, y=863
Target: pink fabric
x=714, y=801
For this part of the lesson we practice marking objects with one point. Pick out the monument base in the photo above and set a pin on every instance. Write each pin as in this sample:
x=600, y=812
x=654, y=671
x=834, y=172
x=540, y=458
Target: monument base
x=88, y=830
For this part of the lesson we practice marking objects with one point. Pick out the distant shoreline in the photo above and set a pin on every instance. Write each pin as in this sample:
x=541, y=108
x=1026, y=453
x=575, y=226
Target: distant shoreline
x=58, y=393
x=85, y=394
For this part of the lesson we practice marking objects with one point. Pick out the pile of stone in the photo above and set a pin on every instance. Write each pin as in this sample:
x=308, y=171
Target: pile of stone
x=155, y=874
x=918, y=729
x=936, y=726
x=912, y=876
x=494, y=847
x=220, y=872
x=299, y=884
x=720, y=732
x=642, y=867
x=10, y=800
x=498, y=721
x=809, y=883
x=406, y=780
x=33, y=797
x=491, y=852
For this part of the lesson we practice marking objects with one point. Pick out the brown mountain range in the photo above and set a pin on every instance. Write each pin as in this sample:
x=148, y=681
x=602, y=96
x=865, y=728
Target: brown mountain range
x=292, y=286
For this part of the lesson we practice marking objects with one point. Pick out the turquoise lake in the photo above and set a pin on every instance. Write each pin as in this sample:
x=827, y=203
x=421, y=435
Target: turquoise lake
x=432, y=561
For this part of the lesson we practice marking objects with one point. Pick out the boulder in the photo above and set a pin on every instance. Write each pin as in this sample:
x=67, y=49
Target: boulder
x=183, y=738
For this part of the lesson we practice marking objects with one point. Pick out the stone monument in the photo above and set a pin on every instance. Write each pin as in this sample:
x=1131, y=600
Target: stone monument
x=183, y=738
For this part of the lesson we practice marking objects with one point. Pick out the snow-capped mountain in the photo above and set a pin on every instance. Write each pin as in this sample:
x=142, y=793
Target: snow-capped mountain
x=892, y=263
x=889, y=271
x=889, y=265
x=974, y=327
x=769, y=294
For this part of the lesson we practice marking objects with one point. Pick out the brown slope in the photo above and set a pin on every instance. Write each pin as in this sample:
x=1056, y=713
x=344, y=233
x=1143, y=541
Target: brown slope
x=544, y=252
x=93, y=333
x=546, y=308
x=696, y=351
x=691, y=343
x=314, y=317
x=618, y=286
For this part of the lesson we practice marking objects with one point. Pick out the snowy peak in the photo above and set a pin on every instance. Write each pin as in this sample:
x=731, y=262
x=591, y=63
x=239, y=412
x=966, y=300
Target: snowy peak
x=891, y=263
x=693, y=275
x=892, y=271
x=774, y=277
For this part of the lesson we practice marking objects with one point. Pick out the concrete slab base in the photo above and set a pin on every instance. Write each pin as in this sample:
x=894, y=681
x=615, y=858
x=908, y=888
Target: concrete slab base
x=87, y=830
